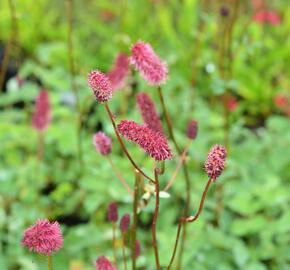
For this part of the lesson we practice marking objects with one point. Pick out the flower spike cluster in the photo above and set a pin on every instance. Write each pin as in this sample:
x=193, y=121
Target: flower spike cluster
x=101, y=85
x=43, y=237
x=148, y=112
x=146, y=61
x=154, y=143
x=117, y=75
x=41, y=116
x=102, y=143
x=215, y=163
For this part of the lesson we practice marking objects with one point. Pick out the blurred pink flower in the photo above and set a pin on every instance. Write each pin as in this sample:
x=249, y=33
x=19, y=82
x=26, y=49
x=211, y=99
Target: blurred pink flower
x=281, y=101
x=102, y=263
x=192, y=129
x=154, y=143
x=267, y=16
x=101, y=85
x=103, y=143
x=138, y=248
x=113, y=212
x=117, y=75
x=232, y=104
x=43, y=237
x=125, y=223
x=148, y=112
x=41, y=115
x=152, y=69
x=215, y=163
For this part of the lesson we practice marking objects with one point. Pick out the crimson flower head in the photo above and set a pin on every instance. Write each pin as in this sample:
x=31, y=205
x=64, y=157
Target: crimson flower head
x=215, y=163
x=117, y=75
x=113, y=212
x=102, y=263
x=154, y=143
x=281, y=101
x=232, y=103
x=138, y=248
x=43, y=237
x=41, y=115
x=103, y=143
x=148, y=112
x=192, y=129
x=146, y=61
x=125, y=223
x=267, y=17
x=101, y=85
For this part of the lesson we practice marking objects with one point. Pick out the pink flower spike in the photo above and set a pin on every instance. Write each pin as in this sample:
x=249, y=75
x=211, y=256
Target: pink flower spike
x=101, y=85
x=148, y=112
x=102, y=263
x=153, y=143
x=192, y=129
x=117, y=75
x=215, y=163
x=146, y=61
x=42, y=114
x=125, y=223
x=138, y=248
x=113, y=212
x=43, y=237
x=102, y=143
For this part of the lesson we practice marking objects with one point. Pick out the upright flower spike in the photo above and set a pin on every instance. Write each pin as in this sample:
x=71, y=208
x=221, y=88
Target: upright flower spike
x=138, y=248
x=146, y=61
x=113, y=212
x=192, y=129
x=103, y=143
x=125, y=223
x=215, y=163
x=43, y=237
x=41, y=116
x=117, y=75
x=101, y=85
x=102, y=263
x=148, y=112
x=153, y=143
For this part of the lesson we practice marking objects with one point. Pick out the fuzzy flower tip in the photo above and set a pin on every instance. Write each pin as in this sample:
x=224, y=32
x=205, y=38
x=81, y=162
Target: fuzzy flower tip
x=148, y=112
x=146, y=61
x=101, y=85
x=43, y=237
x=102, y=263
x=113, y=212
x=192, y=129
x=125, y=223
x=138, y=248
x=103, y=143
x=117, y=75
x=215, y=163
x=41, y=116
x=154, y=143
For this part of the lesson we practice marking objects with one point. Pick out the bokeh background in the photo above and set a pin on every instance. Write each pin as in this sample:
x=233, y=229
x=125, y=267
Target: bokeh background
x=228, y=69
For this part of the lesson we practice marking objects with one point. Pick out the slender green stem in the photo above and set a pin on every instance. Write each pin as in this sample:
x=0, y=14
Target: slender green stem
x=154, y=221
x=49, y=262
x=40, y=146
x=114, y=242
x=123, y=145
x=123, y=251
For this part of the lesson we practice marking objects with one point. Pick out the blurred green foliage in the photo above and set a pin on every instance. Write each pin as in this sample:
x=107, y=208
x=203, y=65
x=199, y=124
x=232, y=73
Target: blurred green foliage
x=253, y=229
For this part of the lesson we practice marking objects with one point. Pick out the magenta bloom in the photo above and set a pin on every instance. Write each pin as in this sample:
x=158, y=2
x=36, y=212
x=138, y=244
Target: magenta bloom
x=267, y=16
x=148, y=112
x=125, y=223
x=152, y=69
x=101, y=85
x=232, y=103
x=192, y=129
x=215, y=163
x=138, y=248
x=113, y=212
x=154, y=143
x=117, y=75
x=102, y=263
x=103, y=143
x=41, y=115
x=43, y=237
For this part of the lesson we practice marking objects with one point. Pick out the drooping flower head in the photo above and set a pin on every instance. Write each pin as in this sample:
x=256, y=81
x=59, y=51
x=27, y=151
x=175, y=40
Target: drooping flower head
x=117, y=75
x=113, y=212
x=125, y=223
x=146, y=61
x=42, y=113
x=43, y=237
x=103, y=143
x=148, y=112
x=192, y=129
x=101, y=85
x=154, y=143
x=102, y=263
x=215, y=163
